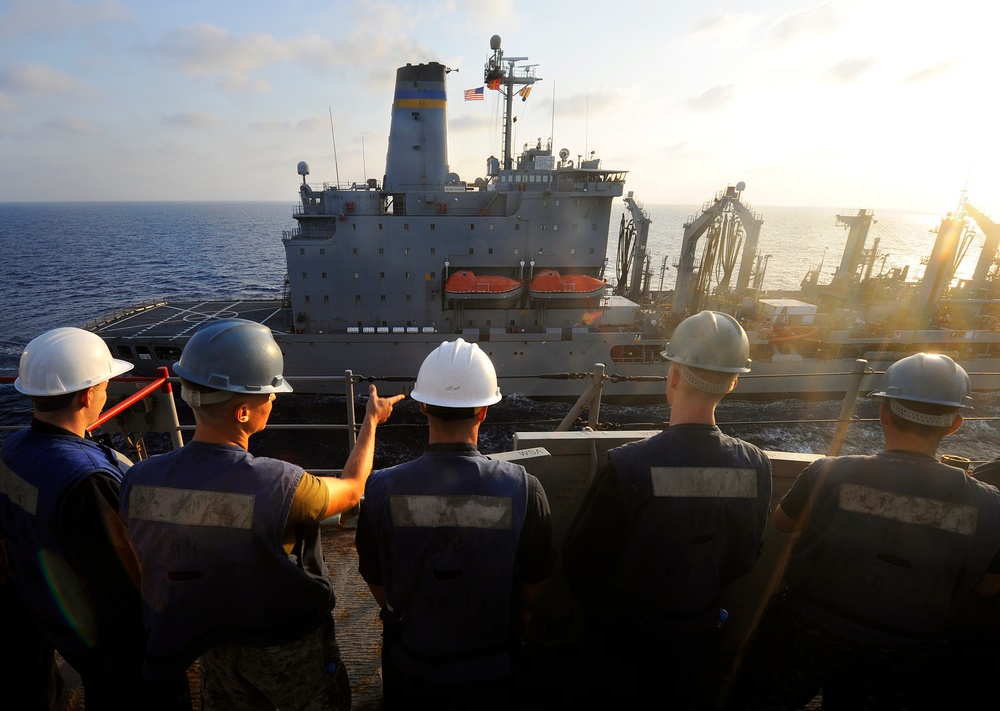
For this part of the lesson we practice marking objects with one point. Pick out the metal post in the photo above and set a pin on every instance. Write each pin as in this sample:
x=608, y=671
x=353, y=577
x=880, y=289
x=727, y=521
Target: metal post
x=594, y=388
x=858, y=373
x=595, y=406
x=352, y=434
x=175, y=431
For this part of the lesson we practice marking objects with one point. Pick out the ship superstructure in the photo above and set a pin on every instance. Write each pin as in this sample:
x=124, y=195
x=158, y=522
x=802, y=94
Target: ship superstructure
x=378, y=257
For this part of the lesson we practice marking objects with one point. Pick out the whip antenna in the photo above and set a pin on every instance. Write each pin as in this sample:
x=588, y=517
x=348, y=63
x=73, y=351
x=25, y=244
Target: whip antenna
x=334, y=136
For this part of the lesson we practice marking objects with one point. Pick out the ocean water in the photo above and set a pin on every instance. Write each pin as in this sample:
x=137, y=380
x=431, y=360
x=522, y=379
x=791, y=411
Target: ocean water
x=66, y=263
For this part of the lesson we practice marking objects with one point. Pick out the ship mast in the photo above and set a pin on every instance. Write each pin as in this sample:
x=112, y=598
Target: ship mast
x=496, y=76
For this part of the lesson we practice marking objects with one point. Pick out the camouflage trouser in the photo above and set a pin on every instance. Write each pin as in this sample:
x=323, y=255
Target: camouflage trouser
x=791, y=659
x=305, y=675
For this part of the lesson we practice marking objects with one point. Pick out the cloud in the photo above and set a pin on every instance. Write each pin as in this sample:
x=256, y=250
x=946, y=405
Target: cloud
x=467, y=123
x=71, y=125
x=713, y=99
x=204, y=49
x=852, y=69
x=7, y=102
x=819, y=19
x=195, y=120
x=940, y=69
x=309, y=125
x=51, y=17
x=725, y=23
x=36, y=80
x=592, y=102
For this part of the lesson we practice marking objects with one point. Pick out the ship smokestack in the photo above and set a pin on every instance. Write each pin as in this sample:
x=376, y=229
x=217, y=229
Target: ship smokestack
x=418, y=134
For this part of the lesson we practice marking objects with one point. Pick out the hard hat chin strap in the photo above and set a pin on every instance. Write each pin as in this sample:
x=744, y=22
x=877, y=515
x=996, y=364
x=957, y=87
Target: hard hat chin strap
x=922, y=418
x=196, y=398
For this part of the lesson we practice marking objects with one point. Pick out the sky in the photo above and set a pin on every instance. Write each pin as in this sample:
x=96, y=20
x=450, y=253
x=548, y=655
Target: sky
x=882, y=104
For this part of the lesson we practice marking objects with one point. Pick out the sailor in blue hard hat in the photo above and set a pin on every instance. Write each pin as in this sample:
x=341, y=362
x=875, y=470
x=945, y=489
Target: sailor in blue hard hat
x=667, y=524
x=229, y=543
x=888, y=546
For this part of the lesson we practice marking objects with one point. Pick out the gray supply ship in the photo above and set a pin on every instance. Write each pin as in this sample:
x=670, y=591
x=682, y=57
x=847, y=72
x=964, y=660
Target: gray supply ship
x=378, y=274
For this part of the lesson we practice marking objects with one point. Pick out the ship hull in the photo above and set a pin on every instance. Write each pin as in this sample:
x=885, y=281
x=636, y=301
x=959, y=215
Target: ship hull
x=546, y=366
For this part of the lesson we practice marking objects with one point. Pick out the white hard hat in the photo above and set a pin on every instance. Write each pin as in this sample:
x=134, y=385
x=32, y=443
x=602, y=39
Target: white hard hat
x=457, y=374
x=711, y=340
x=65, y=360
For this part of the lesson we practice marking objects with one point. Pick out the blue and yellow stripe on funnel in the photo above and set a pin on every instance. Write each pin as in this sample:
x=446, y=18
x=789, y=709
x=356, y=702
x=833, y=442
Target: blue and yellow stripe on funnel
x=419, y=99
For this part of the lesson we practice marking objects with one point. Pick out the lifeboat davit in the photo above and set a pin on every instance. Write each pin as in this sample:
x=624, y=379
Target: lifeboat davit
x=553, y=285
x=466, y=285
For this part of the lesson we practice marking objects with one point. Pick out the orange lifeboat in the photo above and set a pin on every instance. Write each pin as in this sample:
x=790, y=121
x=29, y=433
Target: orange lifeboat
x=465, y=285
x=551, y=284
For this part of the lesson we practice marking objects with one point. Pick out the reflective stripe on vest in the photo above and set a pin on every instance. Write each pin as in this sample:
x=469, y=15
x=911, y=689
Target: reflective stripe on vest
x=686, y=482
x=956, y=518
x=489, y=512
x=190, y=507
x=20, y=492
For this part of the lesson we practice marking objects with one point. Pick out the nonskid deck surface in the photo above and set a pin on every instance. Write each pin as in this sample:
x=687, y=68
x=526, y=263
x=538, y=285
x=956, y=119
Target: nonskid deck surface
x=182, y=318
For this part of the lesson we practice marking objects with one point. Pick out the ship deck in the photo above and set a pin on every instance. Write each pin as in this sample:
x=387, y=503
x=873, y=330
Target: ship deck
x=164, y=321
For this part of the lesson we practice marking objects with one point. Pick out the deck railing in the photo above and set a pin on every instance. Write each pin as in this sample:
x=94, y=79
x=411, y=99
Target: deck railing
x=147, y=406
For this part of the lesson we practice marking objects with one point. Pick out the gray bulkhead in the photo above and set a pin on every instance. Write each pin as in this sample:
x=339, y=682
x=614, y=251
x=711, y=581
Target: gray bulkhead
x=377, y=257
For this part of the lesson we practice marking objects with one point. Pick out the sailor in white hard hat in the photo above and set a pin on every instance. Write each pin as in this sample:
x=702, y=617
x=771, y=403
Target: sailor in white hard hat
x=888, y=546
x=66, y=542
x=667, y=524
x=453, y=546
x=250, y=594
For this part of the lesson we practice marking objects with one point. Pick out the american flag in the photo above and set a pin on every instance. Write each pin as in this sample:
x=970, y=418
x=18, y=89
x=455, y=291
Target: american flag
x=474, y=94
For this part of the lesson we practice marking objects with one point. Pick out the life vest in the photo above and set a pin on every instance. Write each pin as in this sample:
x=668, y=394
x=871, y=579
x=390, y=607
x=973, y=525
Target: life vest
x=37, y=473
x=696, y=502
x=892, y=544
x=207, y=524
x=447, y=527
